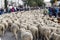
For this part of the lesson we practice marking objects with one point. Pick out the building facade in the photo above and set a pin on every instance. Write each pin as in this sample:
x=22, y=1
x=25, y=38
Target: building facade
x=14, y=2
x=48, y=4
x=1, y=3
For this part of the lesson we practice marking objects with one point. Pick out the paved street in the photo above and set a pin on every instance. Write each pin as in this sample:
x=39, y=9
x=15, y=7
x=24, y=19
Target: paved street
x=8, y=36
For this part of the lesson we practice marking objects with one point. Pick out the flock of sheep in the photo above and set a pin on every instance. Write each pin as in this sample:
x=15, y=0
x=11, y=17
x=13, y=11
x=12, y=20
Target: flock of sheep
x=32, y=25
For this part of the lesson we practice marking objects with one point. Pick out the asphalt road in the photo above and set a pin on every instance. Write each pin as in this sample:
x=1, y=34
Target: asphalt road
x=8, y=36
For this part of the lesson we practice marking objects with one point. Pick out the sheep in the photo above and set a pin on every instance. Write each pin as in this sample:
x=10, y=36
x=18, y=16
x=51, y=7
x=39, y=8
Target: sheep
x=18, y=15
x=57, y=25
x=57, y=31
x=46, y=31
x=30, y=21
x=15, y=18
x=54, y=36
x=14, y=29
x=26, y=34
x=6, y=15
x=2, y=29
x=34, y=31
x=45, y=11
x=17, y=22
x=23, y=26
x=55, y=20
x=9, y=21
x=58, y=20
x=5, y=23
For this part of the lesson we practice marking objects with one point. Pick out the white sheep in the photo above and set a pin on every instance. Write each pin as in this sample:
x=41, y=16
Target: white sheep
x=17, y=22
x=26, y=35
x=9, y=21
x=34, y=31
x=5, y=23
x=23, y=26
x=44, y=31
x=54, y=36
x=14, y=29
x=2, y=29
x=48, y=31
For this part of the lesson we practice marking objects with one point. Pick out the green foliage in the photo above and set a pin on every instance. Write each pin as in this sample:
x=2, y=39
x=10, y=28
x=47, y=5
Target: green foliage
x=34, y=2
x=40, y=2
x=52, y=1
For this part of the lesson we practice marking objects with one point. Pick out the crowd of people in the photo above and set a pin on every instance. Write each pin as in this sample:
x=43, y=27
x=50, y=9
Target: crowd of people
x=11, y=8
x=54, y=11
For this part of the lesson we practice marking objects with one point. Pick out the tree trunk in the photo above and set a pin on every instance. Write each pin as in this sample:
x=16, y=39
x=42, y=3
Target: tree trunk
x=5, y=2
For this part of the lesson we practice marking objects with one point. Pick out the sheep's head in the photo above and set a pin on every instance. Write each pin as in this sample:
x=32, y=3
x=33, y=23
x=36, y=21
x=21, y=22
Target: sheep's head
x=9, y=22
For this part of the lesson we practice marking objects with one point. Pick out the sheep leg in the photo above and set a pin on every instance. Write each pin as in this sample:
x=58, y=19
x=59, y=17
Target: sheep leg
x=34, y=37
x=37, y=35
x=44, y=38
x=15, y=34
x=47, y=38
x=9, y=28
x=3, y=33
x=40, y=36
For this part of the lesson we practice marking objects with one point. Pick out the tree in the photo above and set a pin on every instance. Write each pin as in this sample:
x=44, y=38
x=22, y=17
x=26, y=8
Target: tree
x=5, y=2
x=40, y=2
x=52, y=2
x=34, y=2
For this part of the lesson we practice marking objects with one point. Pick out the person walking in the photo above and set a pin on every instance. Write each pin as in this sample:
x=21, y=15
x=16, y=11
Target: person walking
x=50, y=11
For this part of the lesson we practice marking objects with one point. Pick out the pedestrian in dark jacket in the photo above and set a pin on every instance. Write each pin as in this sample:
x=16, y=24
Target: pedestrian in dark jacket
x=59, y=13
x=50, y=11
x=1, y=11
x=54, y=12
